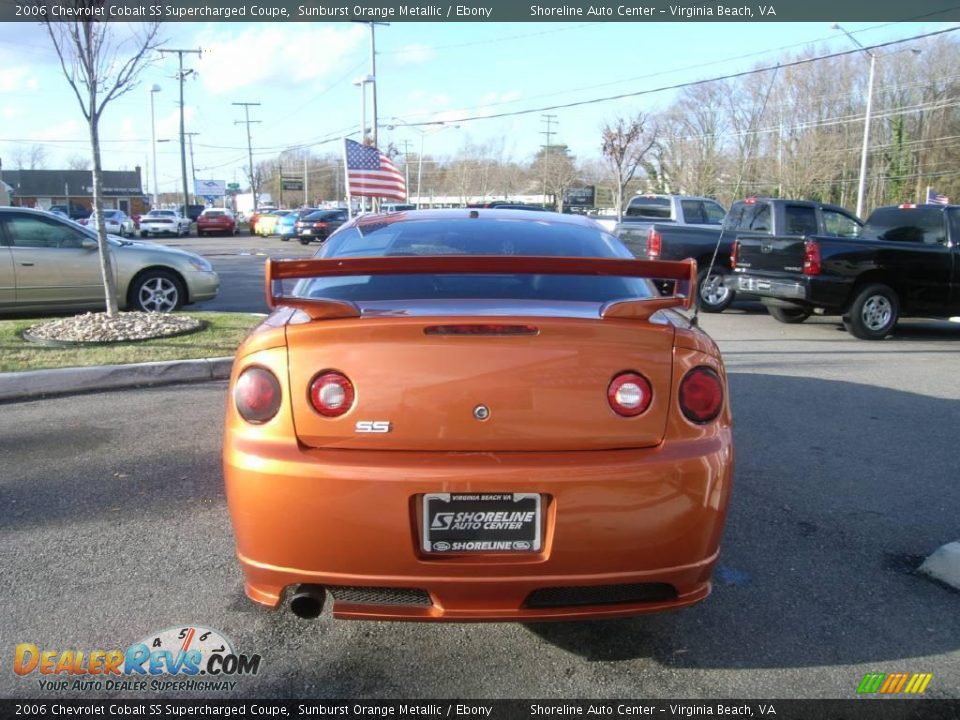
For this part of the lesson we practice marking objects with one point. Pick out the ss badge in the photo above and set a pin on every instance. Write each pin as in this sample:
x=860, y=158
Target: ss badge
x=372, y=426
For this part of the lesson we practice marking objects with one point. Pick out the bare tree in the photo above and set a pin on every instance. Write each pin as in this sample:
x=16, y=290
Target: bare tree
x=100, y=66
x=625, y=144
x=78, y=162
x=33, y=157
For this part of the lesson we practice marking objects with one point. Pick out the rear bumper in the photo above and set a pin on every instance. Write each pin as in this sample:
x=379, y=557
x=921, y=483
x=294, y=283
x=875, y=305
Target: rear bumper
x=352, y=518
x=768, y=287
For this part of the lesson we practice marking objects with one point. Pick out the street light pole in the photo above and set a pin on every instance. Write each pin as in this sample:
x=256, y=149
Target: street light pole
x=153, y=144
x=865, y=151
x=862, y=187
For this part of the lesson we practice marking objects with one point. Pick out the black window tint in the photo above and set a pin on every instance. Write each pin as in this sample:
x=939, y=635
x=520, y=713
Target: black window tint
x=953, y=217
x=760, y=220
x=840, y=225
x=38, y=232
x=713, y=213
x=693, y=212
x=475, y=237
x=649, y=207
x=922, y=225
x=735, y=218
x=801, y=220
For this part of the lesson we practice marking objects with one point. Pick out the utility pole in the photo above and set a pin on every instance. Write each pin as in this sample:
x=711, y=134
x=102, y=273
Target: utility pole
x=254, y=189
x=550, y=121
x=193, y=169
x=406, y=167
x=181, y=76
x=306, y=181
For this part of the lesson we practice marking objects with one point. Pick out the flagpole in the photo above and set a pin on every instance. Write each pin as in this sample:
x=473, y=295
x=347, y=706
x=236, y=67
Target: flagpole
x=346, y=178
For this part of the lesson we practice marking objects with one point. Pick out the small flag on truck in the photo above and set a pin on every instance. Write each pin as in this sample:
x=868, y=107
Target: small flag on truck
x=935, y=198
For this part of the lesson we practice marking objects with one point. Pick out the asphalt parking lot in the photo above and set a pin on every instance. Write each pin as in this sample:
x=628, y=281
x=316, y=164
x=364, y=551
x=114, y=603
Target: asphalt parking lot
x=115, y=525
x=239, y=260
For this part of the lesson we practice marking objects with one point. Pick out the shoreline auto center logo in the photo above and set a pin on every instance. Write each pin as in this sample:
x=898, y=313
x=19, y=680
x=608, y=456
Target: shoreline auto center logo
x=894, y=683
x=176, y=659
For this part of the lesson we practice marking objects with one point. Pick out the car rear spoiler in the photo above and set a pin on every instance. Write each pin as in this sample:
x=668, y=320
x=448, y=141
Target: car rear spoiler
x=684, y=272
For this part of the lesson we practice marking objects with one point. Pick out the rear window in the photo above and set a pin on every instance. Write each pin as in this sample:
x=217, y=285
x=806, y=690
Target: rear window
x=475, y=237
x=916, y=225
x=657, y=208
x=749, y=216
x=209, y=213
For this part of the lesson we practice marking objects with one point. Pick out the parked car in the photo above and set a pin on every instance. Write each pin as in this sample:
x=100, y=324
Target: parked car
x=267, y=223
x=254, y=217
x=216, y=220
x=769, y=216
x=48, y=264
x=117, y=222
x=397, y=207
x=164, y=222
x=477, y=415
x=193, y=212
x=904, y=261
x=74, y=211
x=319, y=225
x=286, y=226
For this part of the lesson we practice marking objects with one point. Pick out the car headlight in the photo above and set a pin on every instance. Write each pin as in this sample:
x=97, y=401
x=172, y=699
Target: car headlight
x=200, y=264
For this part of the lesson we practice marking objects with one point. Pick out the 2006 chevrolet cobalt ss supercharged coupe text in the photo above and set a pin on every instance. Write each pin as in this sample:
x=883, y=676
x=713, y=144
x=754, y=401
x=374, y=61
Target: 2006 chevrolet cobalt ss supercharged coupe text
x=477, y=415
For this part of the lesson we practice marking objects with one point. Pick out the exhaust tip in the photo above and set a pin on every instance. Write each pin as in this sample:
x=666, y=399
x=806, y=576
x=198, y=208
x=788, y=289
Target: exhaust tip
x=307, y=601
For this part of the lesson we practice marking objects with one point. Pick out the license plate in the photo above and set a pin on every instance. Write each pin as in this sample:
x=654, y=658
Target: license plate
x=481, y=522
x=749, y=283
x=304, y=232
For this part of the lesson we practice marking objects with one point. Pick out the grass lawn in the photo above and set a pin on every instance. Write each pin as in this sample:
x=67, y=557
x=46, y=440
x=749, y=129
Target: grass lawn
x=220, y=338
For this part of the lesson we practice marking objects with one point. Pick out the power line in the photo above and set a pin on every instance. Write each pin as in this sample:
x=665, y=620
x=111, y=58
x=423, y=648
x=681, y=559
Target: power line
x=676, y=86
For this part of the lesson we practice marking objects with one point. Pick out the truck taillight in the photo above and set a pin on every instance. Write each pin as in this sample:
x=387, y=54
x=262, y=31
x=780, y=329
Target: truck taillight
x=654, y=243
x=811, y=258
x=733, y=254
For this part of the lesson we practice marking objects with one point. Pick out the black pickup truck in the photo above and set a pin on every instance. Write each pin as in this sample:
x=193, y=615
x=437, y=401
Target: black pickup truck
x=758, y=216
x=906, y=261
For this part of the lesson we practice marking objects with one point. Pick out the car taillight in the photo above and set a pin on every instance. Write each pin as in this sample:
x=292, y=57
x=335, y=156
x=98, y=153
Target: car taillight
x=629, y=394
x=319, y=225
x=257, y=395
x=331, y=394
x=811, y=258
x=654, y=243
x=733, y=254
x=701, y=395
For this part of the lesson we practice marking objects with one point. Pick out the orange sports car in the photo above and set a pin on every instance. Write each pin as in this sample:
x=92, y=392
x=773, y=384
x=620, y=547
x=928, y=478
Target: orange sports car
x=477, y=414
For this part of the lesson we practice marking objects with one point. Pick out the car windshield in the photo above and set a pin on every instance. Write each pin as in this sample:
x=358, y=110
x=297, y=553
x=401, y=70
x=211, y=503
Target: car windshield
x=482, y=236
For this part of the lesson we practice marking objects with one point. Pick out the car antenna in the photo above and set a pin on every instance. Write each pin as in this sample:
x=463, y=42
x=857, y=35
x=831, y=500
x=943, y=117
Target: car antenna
x=695, y=319
x=723, y=228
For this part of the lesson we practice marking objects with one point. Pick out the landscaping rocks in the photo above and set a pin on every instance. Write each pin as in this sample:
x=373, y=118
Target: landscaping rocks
x=125, y=326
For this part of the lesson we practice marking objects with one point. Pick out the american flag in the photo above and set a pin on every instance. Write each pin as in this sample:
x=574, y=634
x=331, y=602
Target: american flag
x=936, y=198
x=370, y=173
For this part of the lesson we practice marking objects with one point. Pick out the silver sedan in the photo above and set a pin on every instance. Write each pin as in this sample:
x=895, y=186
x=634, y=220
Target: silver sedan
x=47, y=264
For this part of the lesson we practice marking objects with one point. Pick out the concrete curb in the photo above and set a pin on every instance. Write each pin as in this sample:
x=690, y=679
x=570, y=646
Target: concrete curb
x=944, y=565
x=35, y=384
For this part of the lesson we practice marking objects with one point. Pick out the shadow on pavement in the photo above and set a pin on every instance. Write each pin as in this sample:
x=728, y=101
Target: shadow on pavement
x=841, y=490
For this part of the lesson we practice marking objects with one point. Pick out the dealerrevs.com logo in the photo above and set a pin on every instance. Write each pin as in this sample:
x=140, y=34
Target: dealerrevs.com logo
x=176, y=659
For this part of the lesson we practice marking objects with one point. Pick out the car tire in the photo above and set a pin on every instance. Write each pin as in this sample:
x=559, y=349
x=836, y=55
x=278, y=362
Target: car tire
x=157, y=291
x=874, y=312
x=788, y=315
x=283, y=238
x=144, y=234
x=304, y=241
x=712, y=294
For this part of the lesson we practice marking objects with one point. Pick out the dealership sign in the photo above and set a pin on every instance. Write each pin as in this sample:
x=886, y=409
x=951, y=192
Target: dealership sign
x=209, y=188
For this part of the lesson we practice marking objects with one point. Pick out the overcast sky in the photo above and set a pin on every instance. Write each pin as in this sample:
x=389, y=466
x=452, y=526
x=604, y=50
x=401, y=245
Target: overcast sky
x=303, y=75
